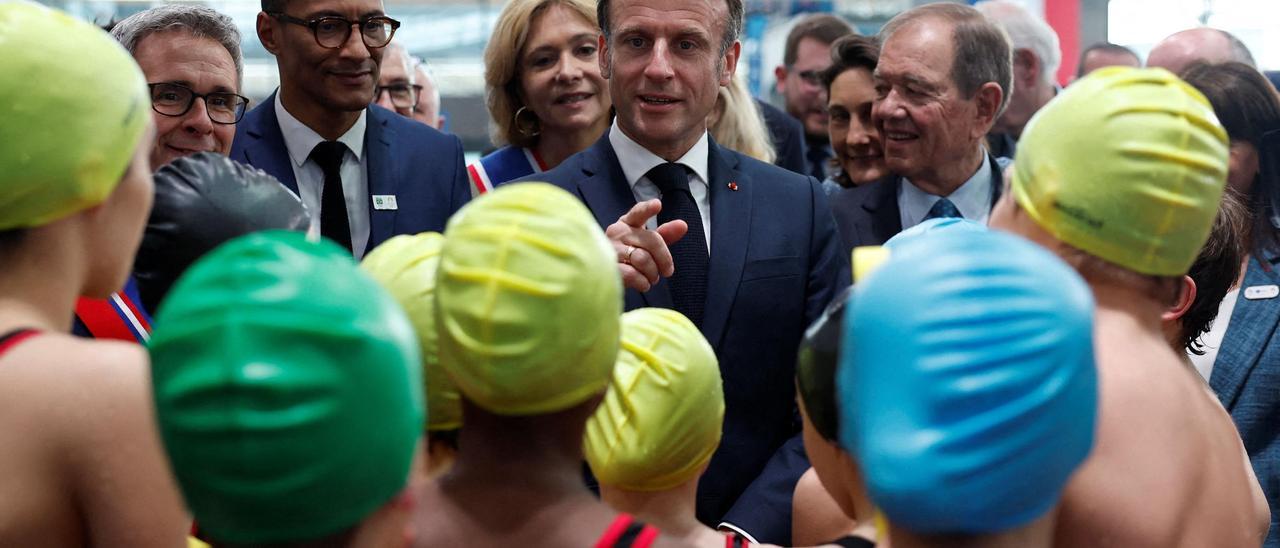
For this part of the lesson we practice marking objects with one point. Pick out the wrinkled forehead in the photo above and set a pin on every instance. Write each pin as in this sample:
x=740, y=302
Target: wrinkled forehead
x=921, y=48
x=709, y=16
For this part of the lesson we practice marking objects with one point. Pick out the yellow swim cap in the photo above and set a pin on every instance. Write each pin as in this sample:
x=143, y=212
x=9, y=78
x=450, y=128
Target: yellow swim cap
x=406, y=268
x=661, y=419
x=73, y=107
x=1127, y=165
x=528, y=301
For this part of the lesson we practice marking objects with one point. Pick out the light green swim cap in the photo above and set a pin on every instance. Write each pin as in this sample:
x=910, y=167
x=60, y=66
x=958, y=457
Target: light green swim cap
x=73, y=108
x=662, y=417
x=1128, y=165
x=406, y=266
x=288, y=390
x=529, y=298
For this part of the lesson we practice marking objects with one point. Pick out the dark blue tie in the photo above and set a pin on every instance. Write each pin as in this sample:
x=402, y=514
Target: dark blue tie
x=944, y=209
x=334, y=223
x=689, y=284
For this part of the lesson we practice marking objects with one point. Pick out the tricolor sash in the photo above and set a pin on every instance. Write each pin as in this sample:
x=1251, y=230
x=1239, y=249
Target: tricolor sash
x=119, y=317
x=505, y=164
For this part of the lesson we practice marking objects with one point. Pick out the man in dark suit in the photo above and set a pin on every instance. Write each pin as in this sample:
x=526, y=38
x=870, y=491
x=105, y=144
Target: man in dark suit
x=753, y=250
x=806, y=54
x=944, y=77
x=787, y=136
x=365, y=173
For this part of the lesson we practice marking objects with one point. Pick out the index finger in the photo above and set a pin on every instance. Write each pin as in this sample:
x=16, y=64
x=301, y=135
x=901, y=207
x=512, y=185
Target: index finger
x=641, y=213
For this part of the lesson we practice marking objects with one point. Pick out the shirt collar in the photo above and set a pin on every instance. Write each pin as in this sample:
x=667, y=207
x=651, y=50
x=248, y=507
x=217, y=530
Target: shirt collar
x=636, y=160
x=300, y=140
x=973, y=198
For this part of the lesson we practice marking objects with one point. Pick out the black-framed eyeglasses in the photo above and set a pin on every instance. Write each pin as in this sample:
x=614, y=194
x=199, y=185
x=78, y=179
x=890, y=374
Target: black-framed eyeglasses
x=402, y=95
x=172, y=99
x=811, y=77
x=332, y=32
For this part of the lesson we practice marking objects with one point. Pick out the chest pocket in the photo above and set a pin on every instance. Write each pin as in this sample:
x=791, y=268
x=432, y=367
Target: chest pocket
x=775, y=267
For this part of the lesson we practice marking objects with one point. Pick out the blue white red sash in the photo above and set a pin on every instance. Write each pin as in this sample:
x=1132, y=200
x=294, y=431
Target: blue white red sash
x=505, y=164
x=119, y=317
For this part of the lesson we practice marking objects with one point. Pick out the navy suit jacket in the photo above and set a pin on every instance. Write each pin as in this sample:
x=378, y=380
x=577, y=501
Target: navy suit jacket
x=787, y=136
x=775, y=264
x=869, y=214
x=418, y=165
x=1246, y=377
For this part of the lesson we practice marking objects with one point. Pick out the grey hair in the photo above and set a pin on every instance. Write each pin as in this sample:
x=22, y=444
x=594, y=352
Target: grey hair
x=422, y=68
x=200, y=21
x=732, y=29
x=983, y=52
x=1028, y=32
x=395, y=49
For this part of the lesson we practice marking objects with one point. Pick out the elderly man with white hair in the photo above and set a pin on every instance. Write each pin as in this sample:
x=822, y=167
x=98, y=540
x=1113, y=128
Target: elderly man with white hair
x=1036, y=58
x=428, y=108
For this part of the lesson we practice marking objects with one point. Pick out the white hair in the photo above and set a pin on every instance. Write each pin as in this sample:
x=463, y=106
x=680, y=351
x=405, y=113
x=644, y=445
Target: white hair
x=1028, y=32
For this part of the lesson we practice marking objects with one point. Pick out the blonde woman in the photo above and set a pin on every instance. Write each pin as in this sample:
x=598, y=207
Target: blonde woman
x=546, y=97
x=736, y=123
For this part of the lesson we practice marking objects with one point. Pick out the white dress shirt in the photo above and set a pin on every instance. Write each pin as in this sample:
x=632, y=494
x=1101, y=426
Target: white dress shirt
x=636, y=161
x=973, y=198
x=300, y=140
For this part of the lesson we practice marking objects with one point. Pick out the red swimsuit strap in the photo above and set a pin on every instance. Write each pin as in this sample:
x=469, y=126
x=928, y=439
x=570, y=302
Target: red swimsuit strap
x=12, y=338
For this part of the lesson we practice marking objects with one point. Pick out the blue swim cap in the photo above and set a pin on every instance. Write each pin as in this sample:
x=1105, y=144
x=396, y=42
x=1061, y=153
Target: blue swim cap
x=934, y=226
x=972, y=395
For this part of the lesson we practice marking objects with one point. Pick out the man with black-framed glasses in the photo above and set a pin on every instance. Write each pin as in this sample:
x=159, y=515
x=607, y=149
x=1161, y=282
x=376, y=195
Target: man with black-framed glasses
x=365, y=173
x=191, y=58
x=808, y=53
x=397, y=89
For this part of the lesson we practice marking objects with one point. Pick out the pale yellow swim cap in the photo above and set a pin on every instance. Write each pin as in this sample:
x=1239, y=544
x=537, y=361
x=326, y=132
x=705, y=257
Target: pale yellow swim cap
x=1127, y=165
x=73, y=107
x=661, y=419
x=528, y=301
x=406, y=267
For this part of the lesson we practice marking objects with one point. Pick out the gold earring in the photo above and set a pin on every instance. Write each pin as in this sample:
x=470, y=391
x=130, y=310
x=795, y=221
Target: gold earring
x=534, y=131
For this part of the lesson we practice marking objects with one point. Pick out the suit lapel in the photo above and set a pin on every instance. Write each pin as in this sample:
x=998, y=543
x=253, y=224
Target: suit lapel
x=268, y=152
x=381, y=176
x=882, y=211
x=997, y=181
x=1252, y=325
x=730, y=192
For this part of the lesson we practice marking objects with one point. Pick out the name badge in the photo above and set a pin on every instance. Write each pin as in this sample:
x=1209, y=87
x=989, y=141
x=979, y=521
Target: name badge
x=385, y=202
x=1259, y=292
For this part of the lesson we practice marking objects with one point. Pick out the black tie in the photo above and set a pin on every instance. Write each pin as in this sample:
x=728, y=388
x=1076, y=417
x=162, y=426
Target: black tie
x=689, y=285
x=334, y=224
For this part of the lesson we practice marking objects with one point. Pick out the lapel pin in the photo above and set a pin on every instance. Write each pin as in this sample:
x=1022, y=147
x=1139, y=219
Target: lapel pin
x=1260, y=292
x=733, y=186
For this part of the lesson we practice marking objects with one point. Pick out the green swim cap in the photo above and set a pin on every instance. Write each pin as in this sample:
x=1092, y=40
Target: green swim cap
x=529, y=299
x=406, y=266
x=288, y=390
x=662, y=417
x=1127, y=165
x=73, y=108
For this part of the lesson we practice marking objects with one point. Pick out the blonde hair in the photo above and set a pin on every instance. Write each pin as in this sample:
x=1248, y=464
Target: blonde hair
x=502, y=64
x=738, y=124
